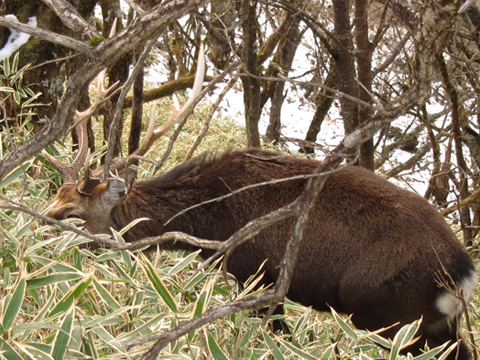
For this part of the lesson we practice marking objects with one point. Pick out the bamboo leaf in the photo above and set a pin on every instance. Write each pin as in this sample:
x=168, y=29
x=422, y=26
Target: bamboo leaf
x=17, y=97
x=434, y=352
x=30, y=102
x=158, y=284
x=15, y=61
x=67, y=300
x=14, y=304
x=62, y=337
x=213, y=347
x=448, y=351
x=6, y=67
x=106, y=296
x=343, y=324
x=184, y=263
x=303, y=355
x=15, y=174
x=403, y=338
x=277, y=354
x=52, y=279
x=202, y=302
x=107, y=319
x=328, y=352
x=31, y=93
x=33, y=352
x=204, y=299
x=7, y=352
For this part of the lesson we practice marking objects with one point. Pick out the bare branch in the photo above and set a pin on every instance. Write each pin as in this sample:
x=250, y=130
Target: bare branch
x=97, y=240
x=55, y=38
x=71, y=18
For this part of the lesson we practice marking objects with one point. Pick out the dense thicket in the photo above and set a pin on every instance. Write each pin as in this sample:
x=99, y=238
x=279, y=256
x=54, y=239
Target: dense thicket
x=403, y=76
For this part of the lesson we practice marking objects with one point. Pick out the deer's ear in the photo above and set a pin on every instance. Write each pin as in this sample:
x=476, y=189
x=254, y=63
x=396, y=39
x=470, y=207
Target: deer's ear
x=129, y=176
x=116, y=191
x=118, y=187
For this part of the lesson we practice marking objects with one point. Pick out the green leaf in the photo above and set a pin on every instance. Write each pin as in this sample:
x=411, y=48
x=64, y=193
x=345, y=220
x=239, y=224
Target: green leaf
x=22, y=93
x=204, y=299
x=6, y=89
x=67, y=300
x=403, y=338
x=105, y=295
x=215, y=350
x=52, y=279
x=434, y=352
x=14, y=304
x=109, y=319
x=7, y=352
x=62, y=337
x=328, y=352
x=303, y=355
x=15, y=61
x=15, y=174
x=17, y=97
x=184, y=263
x=448, y=351
x=158, y=284
x=6, y=67
x=202, y=302
x=380, y=340
x=277, y=354
x=343, y=324
x=33, y=352
x=31, y=93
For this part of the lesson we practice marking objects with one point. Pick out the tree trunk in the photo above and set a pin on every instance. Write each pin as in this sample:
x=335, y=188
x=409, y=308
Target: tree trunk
x=118, y=72
x=323, y=102
x=251, y=85
x=346, y=76
x=284, y=58
x=364, y=71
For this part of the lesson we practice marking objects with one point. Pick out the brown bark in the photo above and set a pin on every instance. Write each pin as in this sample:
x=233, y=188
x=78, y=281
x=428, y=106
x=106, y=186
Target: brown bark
x=137, y=114
x=251, y=85
x=364, y=71
x=346, y=75
x=323, y=103
x=457, y=110
x=284, y=59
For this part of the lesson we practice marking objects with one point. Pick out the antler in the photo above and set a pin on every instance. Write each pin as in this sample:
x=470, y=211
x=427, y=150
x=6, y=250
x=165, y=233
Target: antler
x=153, y=135
x=69, y=172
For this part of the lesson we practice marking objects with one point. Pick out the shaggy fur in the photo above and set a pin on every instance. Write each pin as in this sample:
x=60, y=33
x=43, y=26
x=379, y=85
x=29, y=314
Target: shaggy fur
x=371, y=249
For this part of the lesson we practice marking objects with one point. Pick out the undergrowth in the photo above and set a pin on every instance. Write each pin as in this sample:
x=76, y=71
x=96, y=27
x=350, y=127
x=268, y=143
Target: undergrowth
x=59, y=300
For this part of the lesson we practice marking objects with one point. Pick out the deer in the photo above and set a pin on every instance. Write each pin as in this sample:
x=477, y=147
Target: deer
x=371, y=249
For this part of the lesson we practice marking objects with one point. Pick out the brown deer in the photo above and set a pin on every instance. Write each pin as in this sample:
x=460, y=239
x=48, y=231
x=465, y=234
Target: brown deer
x=371, y=249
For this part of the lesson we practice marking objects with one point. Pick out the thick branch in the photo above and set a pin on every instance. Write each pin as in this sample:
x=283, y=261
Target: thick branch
x=55, y=38
x=72, y=19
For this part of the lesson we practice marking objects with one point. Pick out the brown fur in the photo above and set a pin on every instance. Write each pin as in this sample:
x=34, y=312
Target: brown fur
x=371, y=248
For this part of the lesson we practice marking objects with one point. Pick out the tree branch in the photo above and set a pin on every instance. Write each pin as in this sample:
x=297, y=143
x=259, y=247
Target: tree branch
x=55, y=38
x=72, y=19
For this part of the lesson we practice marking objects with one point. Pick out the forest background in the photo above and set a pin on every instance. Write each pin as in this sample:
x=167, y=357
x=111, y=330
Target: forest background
x=402, y=76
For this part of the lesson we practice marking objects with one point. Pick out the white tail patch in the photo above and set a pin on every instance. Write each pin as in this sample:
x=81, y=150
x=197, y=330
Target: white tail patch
x=449, y=305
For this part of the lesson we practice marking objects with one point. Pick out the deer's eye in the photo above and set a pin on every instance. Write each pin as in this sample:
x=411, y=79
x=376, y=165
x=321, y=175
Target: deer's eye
x=73, y=216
